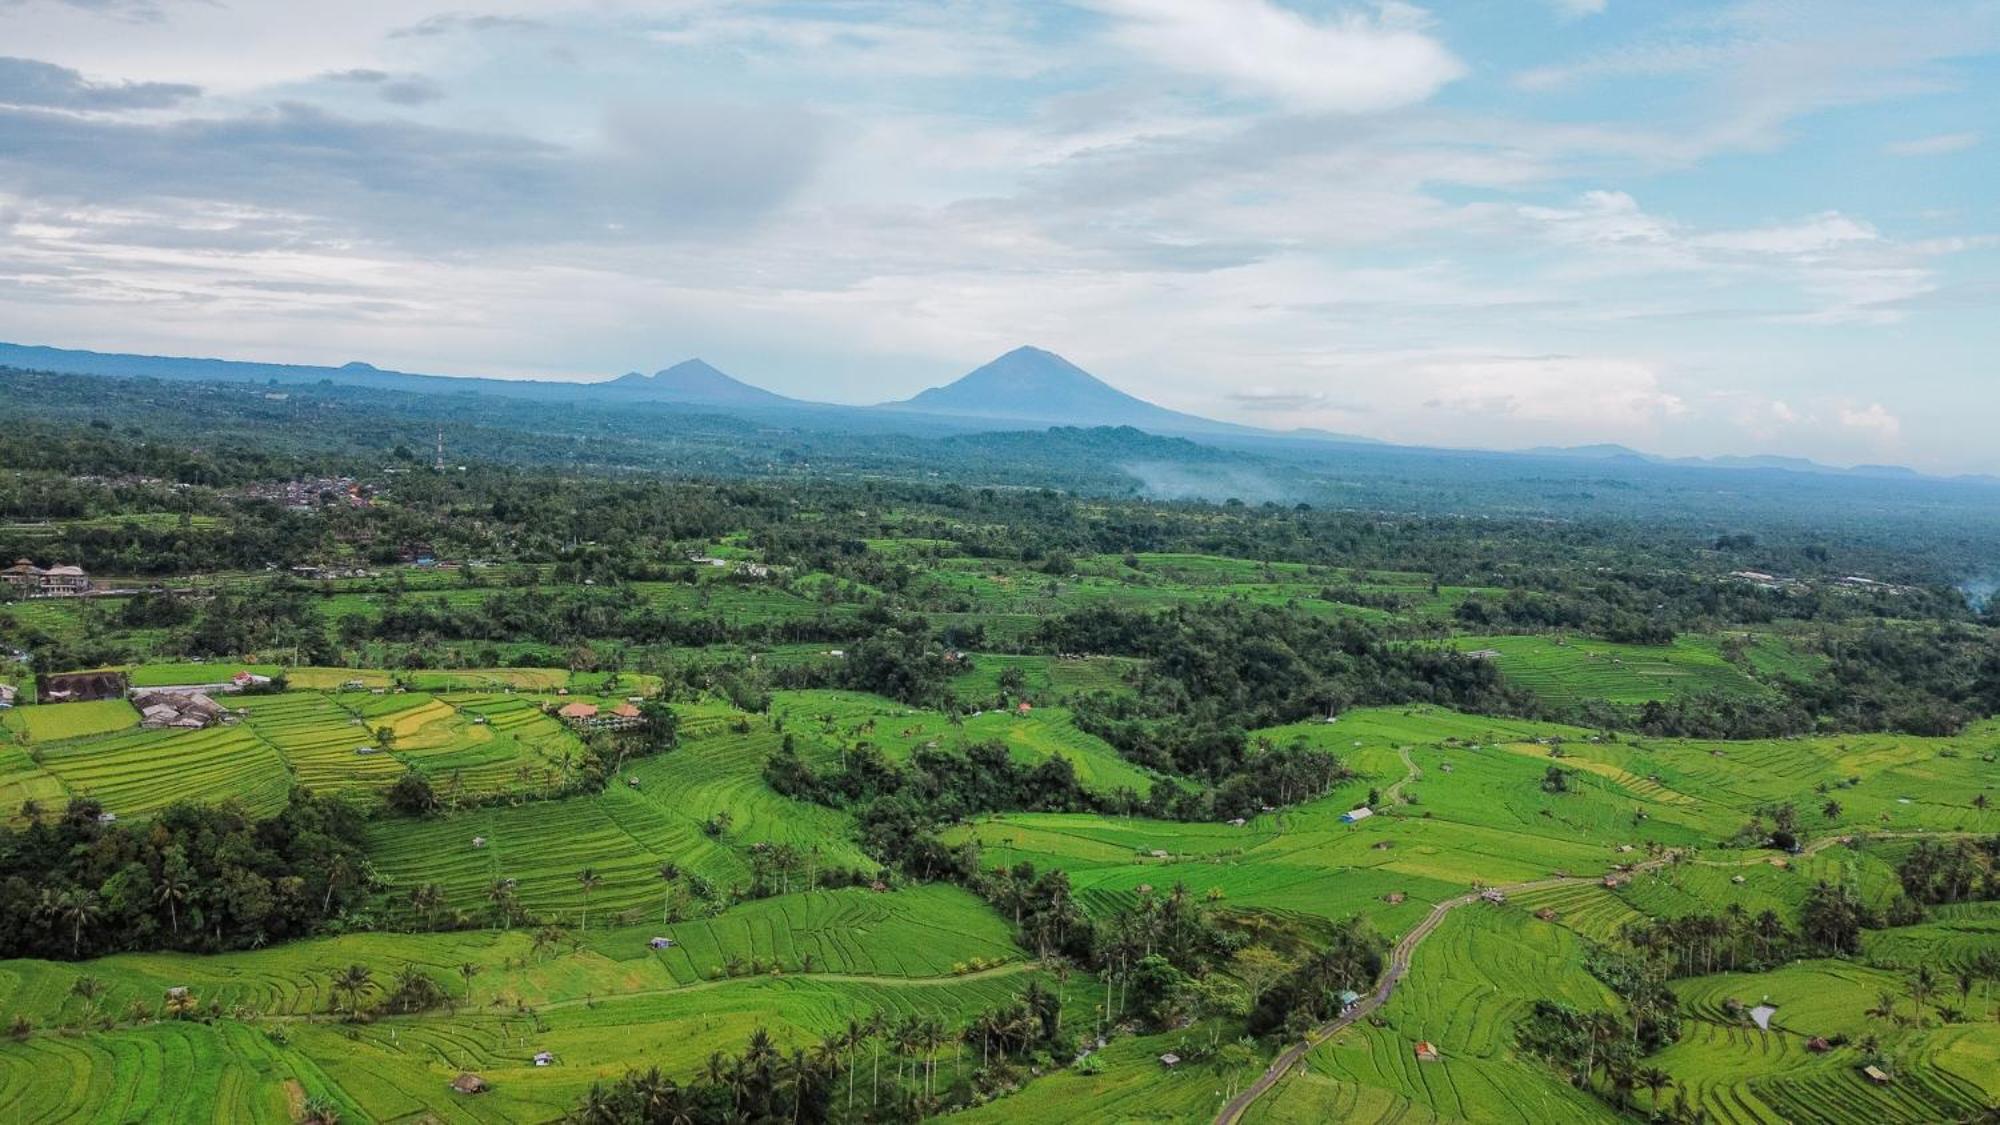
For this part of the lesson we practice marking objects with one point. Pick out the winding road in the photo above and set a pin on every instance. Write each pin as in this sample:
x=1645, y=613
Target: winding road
x=1405, y=949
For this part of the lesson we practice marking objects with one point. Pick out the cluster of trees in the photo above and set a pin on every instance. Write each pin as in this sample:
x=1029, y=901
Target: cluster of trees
x=1215, y=668
x=1347, y=959
x=932, y=1068
x=764, y=1083
x=1951, y=871
x=945, y=785
x=573, y=616
x=1830, y=923
x=1730, y=941
x=1583, y=1045
x=196, y=877
x=1613, y=1044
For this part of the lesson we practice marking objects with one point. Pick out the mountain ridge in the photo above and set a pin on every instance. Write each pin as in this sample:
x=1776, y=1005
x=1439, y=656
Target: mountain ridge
x=1023, y=387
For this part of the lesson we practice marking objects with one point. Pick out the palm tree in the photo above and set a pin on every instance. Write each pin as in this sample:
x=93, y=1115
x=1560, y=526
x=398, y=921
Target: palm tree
x=468, y=970
x=598, y=1108
x=1831, y=810
x=1655, y=1080
x=76, y=907
x=670, y=873
x=425, y=899
x=588, y=880
x=319, y=1111
x=352, y=982
x=1922, y=987
x=877, y=1028
x=549, y=937
x=716, y=1069
x=1885, y=1006
x=89, y=990
x=850, y=1038
x=171, y=891
x=337, y=872
x=501, y=895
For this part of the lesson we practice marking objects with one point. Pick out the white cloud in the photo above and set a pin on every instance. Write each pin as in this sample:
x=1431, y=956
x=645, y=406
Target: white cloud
x=1942, y=144
x=1874, y=420
x=1818, y=234
x=1349, y=62
x=1594, y=393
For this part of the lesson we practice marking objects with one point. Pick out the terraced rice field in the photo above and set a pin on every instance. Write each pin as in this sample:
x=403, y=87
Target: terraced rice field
x=142, y=771
x=170, y=674
x=57, y=722
x=839, y=721
x=758, y=602
x=1569, y=670
x=596, y=1007
x=23, y=779
x=1739, y=1073
x=1468, y=986
x=319, y=741
x=1045, y=679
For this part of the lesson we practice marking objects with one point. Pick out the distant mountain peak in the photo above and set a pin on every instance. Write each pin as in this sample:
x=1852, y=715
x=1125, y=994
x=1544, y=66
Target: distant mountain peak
x=1033, y=384
x=695, y=380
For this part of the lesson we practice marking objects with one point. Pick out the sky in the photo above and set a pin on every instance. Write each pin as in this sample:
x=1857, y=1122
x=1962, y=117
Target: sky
x=1768, y=226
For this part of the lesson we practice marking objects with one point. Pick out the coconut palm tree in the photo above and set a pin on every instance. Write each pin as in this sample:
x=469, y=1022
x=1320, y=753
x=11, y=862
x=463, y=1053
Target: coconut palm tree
x=587, y=880
x=1885, y=1006
x=352, y=982
x=171, y=891
x=337, y=873
x=599, y=1107
x=1922, y=987
x=1655, y=1080
x=89, y=990
x=468, y=970
x=76, y=907
x=670, y=874
x=426, y=899
x=501, y=894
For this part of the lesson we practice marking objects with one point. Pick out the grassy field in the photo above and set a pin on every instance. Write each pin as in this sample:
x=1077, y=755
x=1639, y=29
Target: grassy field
x=1570, y=670
x=1738, y=1072
x=1468, y=987
x=57, y=722
x=597, y=1004
x=839, y=721
x=1459, y=800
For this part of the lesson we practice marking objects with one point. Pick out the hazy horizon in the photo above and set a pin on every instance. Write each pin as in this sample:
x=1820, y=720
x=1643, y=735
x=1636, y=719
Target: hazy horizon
x=1699, y=229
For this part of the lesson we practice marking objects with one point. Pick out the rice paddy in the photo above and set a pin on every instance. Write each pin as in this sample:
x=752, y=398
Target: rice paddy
x=1459, y=802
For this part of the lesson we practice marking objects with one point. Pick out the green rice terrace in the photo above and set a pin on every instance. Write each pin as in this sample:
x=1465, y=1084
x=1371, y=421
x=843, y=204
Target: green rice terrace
x=906, y=825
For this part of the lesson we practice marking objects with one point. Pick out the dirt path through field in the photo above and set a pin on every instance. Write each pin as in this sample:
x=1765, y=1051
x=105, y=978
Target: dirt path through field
x=1399, y=957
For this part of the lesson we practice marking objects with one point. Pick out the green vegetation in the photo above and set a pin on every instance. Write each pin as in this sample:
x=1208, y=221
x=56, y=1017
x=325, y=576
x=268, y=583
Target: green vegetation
x=857, y=795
